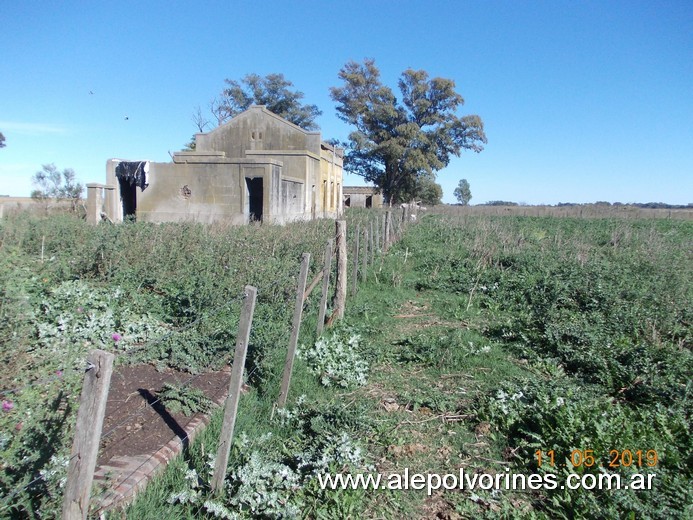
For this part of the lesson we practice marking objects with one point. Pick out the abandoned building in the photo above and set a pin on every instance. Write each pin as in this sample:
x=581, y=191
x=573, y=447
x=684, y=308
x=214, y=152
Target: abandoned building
x=361, y=197
x=256, y=167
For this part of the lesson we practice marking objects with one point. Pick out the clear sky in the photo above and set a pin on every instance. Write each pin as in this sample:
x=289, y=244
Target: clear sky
x=581, y=100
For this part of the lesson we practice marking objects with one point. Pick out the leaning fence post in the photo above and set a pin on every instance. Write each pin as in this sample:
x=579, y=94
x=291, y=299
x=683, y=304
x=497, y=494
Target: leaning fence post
x=235, y=384
x=85, y=445
x=295, y=329
x=325, y=285
x=355, y=272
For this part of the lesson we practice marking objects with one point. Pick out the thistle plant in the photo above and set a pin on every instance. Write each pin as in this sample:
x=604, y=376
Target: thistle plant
x=336, y=360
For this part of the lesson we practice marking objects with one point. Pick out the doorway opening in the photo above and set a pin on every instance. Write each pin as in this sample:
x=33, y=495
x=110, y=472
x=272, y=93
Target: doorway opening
x=128, y=196
x=369, y=201
x=255, y=197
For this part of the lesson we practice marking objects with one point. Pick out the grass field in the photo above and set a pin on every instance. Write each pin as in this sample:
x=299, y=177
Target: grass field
x=475, y=343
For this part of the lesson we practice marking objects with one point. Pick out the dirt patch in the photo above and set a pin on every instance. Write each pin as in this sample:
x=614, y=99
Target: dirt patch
x=134, y=423
x=417, y=316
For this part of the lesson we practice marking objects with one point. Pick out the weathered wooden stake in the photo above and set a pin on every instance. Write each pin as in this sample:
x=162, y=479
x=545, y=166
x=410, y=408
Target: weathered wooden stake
x=85, y=445
x=231, y=408
x=388, y=229
x=325, y=285
x=355, y=272
x=295, y=329
x=372, y=245
x=377, y=234
x=364, y=264
x=339, y=302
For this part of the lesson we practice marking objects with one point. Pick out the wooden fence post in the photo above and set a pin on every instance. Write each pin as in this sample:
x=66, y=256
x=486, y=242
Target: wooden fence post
x=325, y=285
x=372, y=245
x=364, y=264
x=295, y=329
x=388, y=230
x=231, y=407
x=377, y=234
x=355, y=272
x=85, y=445
x=339, y=302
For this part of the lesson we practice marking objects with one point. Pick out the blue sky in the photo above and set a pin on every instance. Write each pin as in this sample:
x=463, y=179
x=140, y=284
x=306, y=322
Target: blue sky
x=581, y=101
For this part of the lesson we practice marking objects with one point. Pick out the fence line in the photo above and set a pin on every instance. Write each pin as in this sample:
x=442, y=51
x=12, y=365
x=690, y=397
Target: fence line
x=363, y=258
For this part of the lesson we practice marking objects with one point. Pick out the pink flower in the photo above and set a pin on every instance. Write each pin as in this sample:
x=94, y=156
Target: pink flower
x=7, y=406
x=80, y=309
x=116, y=337
x=59, y=373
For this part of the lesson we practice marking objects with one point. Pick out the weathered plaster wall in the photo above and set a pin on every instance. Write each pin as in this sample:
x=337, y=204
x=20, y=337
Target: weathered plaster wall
x=301, y=176
x=206, y=191
x=257, y=129
x=200, y=192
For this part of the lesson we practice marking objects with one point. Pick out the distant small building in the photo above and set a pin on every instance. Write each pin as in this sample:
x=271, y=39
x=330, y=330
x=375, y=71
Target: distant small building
x=362, y=197
x=258, y=166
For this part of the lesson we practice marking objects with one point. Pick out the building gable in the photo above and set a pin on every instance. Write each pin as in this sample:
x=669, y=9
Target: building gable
x=257, y=129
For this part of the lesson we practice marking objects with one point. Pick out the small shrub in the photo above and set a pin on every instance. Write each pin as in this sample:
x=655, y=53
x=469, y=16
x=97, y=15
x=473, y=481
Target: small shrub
x=336, y=360
x=184, y=399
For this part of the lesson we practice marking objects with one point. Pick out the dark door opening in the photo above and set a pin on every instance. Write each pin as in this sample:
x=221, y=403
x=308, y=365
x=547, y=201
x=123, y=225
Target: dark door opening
x=369, y=201
x=128, y=196
x=255, y=196
x=347, y=202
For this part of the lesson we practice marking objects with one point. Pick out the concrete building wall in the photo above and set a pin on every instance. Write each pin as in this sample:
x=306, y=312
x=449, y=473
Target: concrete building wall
x=256, y=164
x=257, y=129
x=200, y=192
x=362, y=197
x=331, y=171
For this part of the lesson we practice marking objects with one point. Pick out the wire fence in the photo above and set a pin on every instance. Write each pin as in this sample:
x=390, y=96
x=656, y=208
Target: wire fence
x=62, y=373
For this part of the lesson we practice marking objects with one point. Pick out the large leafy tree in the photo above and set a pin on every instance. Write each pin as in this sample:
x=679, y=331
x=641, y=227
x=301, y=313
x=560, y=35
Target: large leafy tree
x=273, y=91
x=463, y=192
x=396, y=143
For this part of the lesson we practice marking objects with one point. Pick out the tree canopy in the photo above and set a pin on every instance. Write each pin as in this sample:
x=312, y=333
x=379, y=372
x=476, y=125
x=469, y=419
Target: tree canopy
x=395, y=143
x=463, y=192
x=51, y=183
x=274, y=91
x=2, y=140
x=428, y=191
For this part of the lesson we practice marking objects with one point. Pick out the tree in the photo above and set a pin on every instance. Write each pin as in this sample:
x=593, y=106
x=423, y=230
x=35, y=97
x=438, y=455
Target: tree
x=274, y=91
x=52, y=184
x=201, y=122
x=394, y=143
x=428, y=191
x=2, y=140
x=462, y=193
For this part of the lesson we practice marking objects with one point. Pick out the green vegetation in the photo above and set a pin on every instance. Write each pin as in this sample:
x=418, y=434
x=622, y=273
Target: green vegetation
x=165, y=294
x=398, y=143
x=183, y=399
x=52, y=184
x=463, y=192
x=475, y=343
